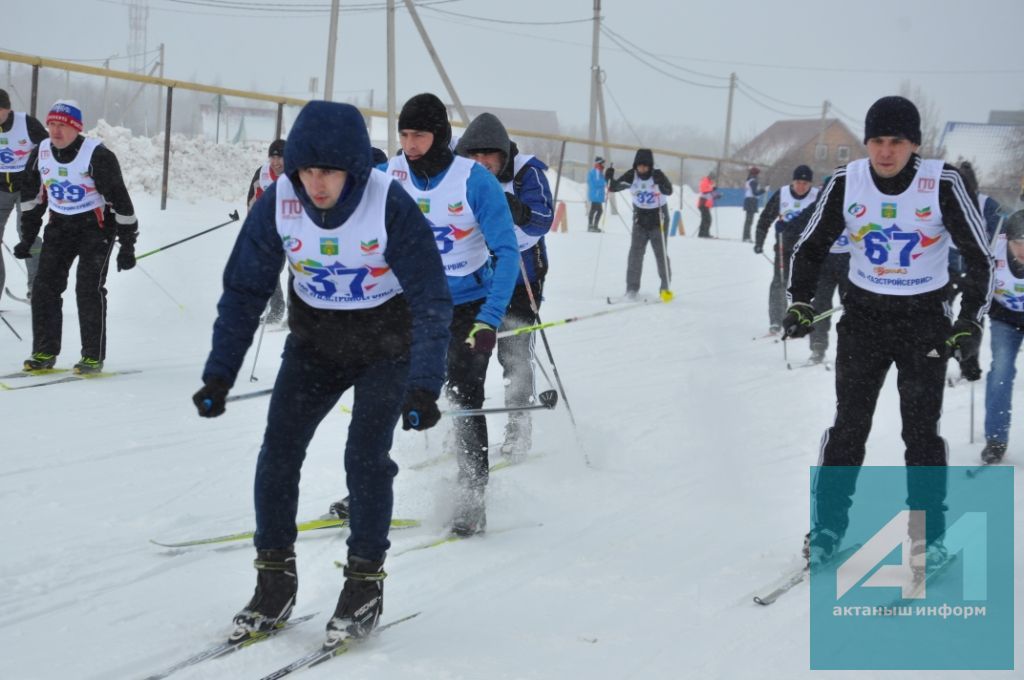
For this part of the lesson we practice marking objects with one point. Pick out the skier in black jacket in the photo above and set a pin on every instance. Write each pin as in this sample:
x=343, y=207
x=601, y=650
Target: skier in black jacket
x=80, y=181
x=649, y=187
x=900, y=212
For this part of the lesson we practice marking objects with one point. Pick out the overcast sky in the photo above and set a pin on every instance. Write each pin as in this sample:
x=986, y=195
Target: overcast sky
x=788, y=56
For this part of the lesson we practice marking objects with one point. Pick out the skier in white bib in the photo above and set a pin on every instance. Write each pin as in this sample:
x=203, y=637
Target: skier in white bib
x=900, y=212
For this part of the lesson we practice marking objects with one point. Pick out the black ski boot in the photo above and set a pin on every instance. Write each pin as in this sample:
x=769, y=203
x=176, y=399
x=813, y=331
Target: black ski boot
x=277, y=582
x=470, y=513
x=39, y=361
x=820, y=547
x=993, y=452
x=338, y=509
x=361, y=602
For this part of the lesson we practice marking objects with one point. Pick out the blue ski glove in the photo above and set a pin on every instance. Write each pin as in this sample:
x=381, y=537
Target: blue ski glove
x=482, y=338
x=211, y=398
x=798, y=321
x=419, y=412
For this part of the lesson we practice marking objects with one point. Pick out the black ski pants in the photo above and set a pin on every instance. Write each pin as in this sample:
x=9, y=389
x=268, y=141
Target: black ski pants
x=834, y=274
x=704, y=231
x=638, y=248
x=467, y=371
x=594, y=217
x=869, y=342
x=780, y=280
x=61, y=245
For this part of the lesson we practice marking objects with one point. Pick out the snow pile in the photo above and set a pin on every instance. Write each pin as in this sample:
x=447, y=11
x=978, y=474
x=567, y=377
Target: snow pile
x=199, y=168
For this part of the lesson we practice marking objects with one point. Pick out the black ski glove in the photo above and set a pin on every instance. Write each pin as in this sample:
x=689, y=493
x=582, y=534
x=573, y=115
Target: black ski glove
x=481, y=338
x=609, y=174
x=970, y=369
x=758, y=248
x=521, y=213
x=798, y=321
x=125, y=258
x=964, y=343
x=126, y=236
x=419, y=412
x=211, y=398
x=22, y=250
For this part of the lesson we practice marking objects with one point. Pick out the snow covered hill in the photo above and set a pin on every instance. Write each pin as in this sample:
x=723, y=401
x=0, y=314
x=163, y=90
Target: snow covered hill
x=640, y=565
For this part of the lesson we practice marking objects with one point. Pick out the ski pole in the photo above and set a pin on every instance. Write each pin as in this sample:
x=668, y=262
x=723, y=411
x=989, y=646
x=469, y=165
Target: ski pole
x=972, y=412
x=8, y=324
x=824, y=315
x=162, y=289
x=259, y=345
x=234, y=218
x=554, y=368
x=16, y=260
x=547, y=399
x=572, y=319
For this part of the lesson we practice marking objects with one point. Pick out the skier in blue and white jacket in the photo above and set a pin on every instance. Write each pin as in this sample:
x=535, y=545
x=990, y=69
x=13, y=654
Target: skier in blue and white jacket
x=468, y=212
x=529, y=200
x=369, y=309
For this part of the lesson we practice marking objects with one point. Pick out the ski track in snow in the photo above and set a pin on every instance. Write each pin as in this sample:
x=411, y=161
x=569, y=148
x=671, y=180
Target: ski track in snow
x=639, y=566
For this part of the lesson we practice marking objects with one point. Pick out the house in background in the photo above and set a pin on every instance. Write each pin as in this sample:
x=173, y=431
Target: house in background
x=995, y=149
x=785, y=144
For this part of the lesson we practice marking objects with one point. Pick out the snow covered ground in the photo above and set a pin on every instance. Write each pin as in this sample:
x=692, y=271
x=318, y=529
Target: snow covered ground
x=641, y=565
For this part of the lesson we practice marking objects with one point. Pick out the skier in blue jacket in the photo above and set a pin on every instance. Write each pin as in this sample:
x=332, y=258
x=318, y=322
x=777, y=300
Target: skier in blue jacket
x=596, y=185
x=369, y=309
x=470, y=217
x=529, y=200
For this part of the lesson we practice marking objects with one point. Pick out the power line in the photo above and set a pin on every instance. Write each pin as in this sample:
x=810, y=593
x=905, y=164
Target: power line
x=780, y=101
x=622, y=113
x=649, y=65
x=113, y=57
x=509, y=21
x=769, y=107
x=609, y=31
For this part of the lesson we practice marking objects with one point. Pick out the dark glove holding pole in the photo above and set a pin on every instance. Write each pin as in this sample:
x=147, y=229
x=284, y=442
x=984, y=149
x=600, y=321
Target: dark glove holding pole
x=521, y=213
x=964, y=344
x=482, y=338
x=211, y=398
x=609, y=174
x=970, y=369
x=758, y=248
x=126, y=235
x=419, y=412
x=23, y=250
x=799, y=320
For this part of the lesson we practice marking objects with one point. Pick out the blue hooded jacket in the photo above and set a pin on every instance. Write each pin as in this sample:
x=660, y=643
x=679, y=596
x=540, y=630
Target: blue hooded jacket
x=595, y=185
x=413, y=324
x=496, y=280
x=531, y=187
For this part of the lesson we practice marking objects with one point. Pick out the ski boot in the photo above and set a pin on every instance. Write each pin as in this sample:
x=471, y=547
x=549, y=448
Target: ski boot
x=87, y=366
x=666, y=295
x=338, y=509
x=276, y=585
x=39, y=361
x=470, y=513
x=360, y=604
x=817, y=355
x=820, y=546
x=518, y=435
x=926, y=557
x=993, y=452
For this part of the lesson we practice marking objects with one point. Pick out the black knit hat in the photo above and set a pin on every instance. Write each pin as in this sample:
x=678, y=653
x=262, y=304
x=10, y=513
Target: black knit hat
x=1014, y=226
x=5, y=100
x=893, y=117
x=427, y=113
x=276, y=148
x=803, y=172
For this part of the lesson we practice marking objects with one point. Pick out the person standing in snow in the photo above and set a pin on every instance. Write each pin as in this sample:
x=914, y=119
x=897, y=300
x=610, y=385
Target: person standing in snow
x=20, y=133
x=706, y=201
x=262, y=179
x=649, y=186
x=370, y=311
x=1007, y=317
x=80, y=181
x=900, y=212
x=470, y=217
x=596, y=185
x=750, y=193
x=783, y=210
x=989, y=209
x=529, y=200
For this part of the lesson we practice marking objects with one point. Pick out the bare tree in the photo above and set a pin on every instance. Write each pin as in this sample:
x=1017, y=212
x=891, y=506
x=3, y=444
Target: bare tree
x=931, y=128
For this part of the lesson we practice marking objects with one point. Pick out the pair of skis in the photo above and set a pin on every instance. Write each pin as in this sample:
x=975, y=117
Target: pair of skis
x=313, y=658
x=74, y=377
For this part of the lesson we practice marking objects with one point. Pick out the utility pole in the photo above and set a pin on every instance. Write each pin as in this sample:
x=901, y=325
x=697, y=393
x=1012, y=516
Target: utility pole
x=437, y=62
x=728, y=124
x=604, y=134
x=595, y=78
x=392, y=116
x=332, y=43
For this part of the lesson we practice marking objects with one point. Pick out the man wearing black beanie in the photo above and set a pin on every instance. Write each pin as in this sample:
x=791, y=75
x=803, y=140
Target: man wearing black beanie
x=470, y=217
x=900, y=212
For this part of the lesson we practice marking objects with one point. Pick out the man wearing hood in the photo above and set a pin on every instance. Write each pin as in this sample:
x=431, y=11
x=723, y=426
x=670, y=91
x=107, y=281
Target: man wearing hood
x=469, y=214
x=369, y=309
x=649, y=187
x=529, y=200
